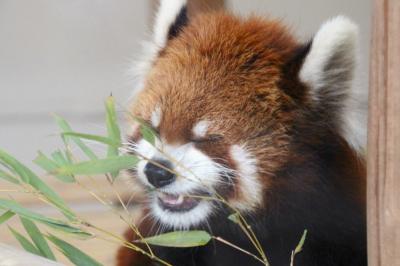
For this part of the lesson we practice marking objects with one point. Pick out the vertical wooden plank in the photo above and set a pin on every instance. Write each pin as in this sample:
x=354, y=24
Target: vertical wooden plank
x=384, y=137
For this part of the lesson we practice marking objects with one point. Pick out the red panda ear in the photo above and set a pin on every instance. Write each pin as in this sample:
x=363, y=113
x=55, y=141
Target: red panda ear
x=328, y=71
x=329, y=65
x=170, y=19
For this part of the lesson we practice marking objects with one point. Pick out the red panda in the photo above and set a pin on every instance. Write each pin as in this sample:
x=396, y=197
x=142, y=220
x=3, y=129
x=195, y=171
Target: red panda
x=244, y=110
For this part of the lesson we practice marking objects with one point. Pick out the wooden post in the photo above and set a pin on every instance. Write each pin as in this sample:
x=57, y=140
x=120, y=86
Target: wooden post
x=384, y=137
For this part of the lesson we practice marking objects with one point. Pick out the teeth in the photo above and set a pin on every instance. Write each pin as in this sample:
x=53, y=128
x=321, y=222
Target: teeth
x=171, y=199
x=180, y=199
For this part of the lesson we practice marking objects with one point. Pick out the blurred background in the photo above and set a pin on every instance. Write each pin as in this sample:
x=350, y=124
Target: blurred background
x=67, y=56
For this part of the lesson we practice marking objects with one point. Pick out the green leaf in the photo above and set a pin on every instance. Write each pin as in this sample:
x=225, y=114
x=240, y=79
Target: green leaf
x=44, y=162
x=18, y=209
x=6, y=216
x=67, y=229
x=25, y=243
x=147, y=132
x=75, y=255
x=8, y=177
x=299, y=246
x=49, y=165
x=65, y=127
x=100, y=166
x=7, y=166
x=53, y=223
x=180, y=239
x=113, y=130
x=101, y=139
x=29, y=177
x=37, y=238
x=234, y=217
x=59, y=158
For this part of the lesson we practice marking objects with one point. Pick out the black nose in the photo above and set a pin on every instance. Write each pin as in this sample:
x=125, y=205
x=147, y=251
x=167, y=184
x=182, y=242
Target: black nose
x=159, y=176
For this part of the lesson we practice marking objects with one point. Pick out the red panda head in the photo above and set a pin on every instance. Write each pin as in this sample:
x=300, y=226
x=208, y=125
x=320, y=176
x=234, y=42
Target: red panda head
x=224, y=95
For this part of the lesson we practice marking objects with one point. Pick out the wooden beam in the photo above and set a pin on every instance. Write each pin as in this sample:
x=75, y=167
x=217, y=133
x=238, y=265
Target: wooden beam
x=384, y=137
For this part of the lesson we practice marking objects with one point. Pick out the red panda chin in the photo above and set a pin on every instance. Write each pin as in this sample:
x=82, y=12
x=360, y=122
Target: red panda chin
x=188, y=214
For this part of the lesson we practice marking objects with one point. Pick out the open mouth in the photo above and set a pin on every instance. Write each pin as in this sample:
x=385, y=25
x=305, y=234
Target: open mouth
x=177, y=203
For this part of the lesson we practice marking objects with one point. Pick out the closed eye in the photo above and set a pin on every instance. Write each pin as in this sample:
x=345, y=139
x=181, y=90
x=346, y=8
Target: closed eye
x=207, y=139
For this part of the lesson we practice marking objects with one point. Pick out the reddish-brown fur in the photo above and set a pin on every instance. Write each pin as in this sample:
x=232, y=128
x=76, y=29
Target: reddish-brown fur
x=232, y=66
x=237, y=73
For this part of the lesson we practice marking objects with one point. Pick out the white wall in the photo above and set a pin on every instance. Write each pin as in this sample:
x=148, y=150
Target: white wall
x=66, y=56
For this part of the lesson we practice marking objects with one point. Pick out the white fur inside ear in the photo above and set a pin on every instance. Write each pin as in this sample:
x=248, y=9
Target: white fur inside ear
x=339, y=34
x=166, y=16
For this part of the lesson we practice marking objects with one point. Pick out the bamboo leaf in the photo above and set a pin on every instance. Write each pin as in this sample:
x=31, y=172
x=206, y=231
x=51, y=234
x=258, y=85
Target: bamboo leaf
x=44, y=162
x=147, y=132
x=37, y=238
x=234, y=217
x=8, y=177
x=113, y=130
x=65, y=127
x=76, y=256
x=25, y=243
x=8, y=167
x=100, y=166
x=59, y=158
x=49, y=165
x=67, y=229
x=100, y=139
x=53, y=223
x=6, y=216
x=299, y=246
x=27, y=176
x=181, y=239
x=18, y=209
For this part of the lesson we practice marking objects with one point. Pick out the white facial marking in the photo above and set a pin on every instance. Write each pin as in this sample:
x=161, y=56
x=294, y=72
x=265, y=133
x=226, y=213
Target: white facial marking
x=156, y=117
x=196, y=172
x=200, y=129
x=182, y=220
x=248, y=183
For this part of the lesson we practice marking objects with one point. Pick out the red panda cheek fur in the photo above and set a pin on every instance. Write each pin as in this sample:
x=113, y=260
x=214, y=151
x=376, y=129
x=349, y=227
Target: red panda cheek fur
x=242, y=76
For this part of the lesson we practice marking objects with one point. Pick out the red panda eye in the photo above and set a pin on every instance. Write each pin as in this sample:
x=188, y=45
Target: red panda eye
x=208, y=139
